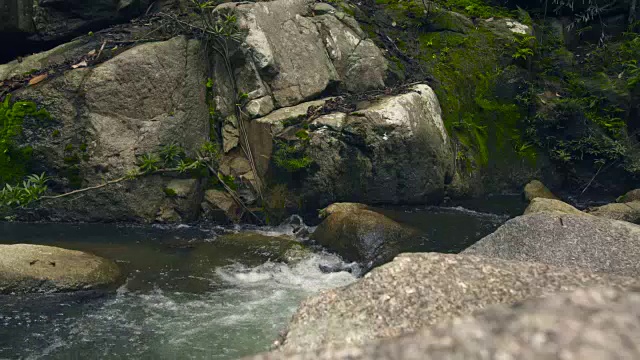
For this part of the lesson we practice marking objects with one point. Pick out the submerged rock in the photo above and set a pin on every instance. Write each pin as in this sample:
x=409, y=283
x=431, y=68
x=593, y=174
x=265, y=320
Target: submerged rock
x=275, y=248
x=361, y=235
x=536, y=189
x=566, y=239
x=417, y=290
x=585, y=323
x=540, y=204
x=36, y=268
x=626, y=211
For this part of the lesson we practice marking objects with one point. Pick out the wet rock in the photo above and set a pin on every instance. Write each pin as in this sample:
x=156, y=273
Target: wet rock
x=393, y=150
x=275, y=248
x=418, y=290
x=627, y=211
x=219, y=206
x=342, y=207
x=540, y=204
x=107, y=116
x=35, y=268
x=590, y=242
x=536, y=189
x=633, y=195
x=592, y=322
x=361, y=235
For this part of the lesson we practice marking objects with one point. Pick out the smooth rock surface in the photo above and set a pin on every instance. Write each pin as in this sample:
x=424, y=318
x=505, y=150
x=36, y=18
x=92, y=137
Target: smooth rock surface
x=590, y=242
x=536, y=189
x=633, y=195
x=361, y=235
x=626, y=211
x=592, y=323
x=36, y=268
x=417, y=290
x=540, y=204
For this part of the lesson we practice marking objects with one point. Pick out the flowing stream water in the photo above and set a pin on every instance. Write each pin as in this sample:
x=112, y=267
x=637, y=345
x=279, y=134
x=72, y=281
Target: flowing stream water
x=188, y=295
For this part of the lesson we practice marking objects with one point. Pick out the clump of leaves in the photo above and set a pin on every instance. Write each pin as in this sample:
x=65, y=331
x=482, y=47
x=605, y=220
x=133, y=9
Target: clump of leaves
x=31, y=189
x=171, y=154
x=148, y=163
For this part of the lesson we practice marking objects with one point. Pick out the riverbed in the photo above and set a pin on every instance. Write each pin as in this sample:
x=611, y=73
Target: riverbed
x=188, y=295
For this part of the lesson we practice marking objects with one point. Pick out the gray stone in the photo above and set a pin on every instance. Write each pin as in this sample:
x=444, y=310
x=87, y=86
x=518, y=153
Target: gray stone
x=36, y=268
x=16, y=16
x=218, y=200
x=362, y=235
x=536, y=189
x=540, y=204
x=633, y=195
x=597, y=244
x=592, y=323
x=402, y=137
x=418, y=290
x=260, y=107
x=333, y=121
x=109, y=115
x=627, y=211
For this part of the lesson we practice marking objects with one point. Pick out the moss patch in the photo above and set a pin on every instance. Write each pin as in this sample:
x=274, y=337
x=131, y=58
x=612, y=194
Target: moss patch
x=15, y=159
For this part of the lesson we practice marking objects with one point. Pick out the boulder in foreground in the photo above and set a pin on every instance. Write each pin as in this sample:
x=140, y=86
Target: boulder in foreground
x=594, y=323
x=42, y=269
x=418, y=290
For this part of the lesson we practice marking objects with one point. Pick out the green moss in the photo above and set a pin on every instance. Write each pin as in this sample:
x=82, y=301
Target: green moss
x=15, y=159
x=68, y=147
x=170, y=192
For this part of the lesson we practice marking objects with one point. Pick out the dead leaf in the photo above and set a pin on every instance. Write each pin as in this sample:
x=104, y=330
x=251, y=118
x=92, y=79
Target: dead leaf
x=36, y=79
x=92, y=52
x=80, y=64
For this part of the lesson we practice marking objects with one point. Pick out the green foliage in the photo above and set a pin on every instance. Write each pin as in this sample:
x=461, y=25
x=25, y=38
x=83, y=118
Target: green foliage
x=524, y=46
x=171, y=155
x=170, y=192
x=582, y=121
x=14, y=159
x=148, y=163
x=31, y=189
x=291, y=157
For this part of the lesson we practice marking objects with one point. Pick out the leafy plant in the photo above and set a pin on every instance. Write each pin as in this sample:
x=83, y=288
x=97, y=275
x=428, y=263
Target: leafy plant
x=31, y=189
x=148, y=163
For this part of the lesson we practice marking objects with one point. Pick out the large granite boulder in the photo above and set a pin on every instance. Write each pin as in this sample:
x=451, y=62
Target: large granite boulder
x=601, y=323
x=566, y=239
x=393, y=150
x=292, y=53
x=36, y=268
x=105, y=117
x=417, y=290
x=361, y=235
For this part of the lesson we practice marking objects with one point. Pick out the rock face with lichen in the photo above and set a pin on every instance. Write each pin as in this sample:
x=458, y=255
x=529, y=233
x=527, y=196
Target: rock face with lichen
x=105, y=117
